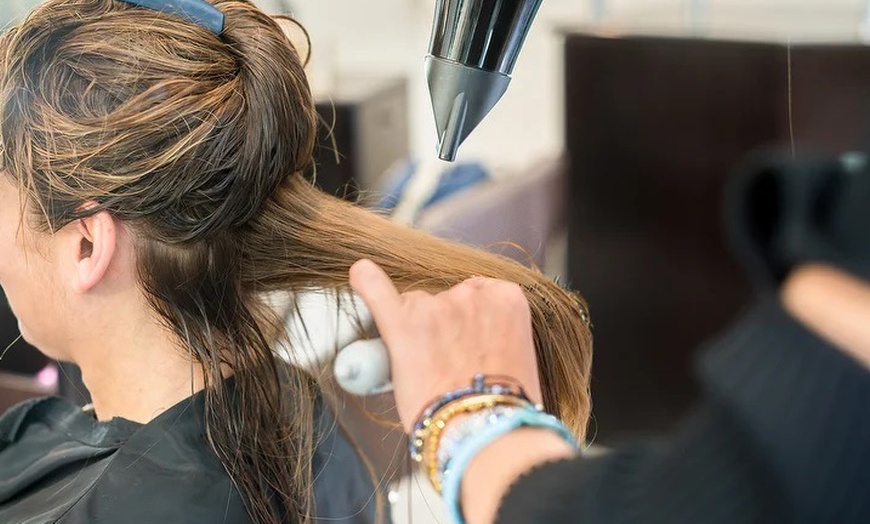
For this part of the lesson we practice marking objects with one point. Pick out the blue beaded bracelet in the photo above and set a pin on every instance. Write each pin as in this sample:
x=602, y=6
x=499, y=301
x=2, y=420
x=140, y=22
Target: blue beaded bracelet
x=466, y=450
x=456, y=435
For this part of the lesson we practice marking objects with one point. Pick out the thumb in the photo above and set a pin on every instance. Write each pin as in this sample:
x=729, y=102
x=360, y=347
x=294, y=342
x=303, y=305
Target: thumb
x=376, y=289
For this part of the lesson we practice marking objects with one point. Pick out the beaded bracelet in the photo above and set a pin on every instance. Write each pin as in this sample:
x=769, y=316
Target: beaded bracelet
x=465, y=451
x=478, y=387
x=444, y=415
x=457, y=434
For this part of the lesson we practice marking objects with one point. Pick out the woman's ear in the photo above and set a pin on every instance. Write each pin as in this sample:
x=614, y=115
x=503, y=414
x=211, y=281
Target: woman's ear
x=94, y=242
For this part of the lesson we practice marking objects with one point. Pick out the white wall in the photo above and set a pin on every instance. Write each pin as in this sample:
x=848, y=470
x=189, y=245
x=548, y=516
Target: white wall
x=13, y=10
x=756, y=19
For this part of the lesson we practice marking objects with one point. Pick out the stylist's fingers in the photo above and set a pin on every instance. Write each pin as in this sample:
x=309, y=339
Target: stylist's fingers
x=378, y=292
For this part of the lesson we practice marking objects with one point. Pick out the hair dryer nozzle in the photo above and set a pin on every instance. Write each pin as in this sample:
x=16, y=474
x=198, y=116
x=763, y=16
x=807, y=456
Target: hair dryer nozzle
x=461, y=97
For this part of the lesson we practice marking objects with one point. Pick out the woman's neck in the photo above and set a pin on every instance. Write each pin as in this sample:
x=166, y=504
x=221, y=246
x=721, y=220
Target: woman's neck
x=138, y=374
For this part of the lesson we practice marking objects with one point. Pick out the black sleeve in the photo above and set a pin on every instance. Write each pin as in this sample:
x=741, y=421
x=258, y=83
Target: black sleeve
x=782, y=435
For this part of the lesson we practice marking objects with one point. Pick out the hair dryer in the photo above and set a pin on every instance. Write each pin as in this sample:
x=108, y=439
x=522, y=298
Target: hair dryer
x=472, y=52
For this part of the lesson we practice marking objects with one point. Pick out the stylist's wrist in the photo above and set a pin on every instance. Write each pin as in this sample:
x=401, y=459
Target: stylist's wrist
x=833, y=304
x=498, y=466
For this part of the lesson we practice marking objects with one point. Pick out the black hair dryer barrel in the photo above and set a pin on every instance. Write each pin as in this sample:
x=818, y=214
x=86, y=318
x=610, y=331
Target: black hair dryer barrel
x=474, y=47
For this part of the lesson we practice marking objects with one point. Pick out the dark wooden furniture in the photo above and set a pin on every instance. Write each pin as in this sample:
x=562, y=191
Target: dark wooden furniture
x=18, y=356
x=19, y=363
x=653, y=128
x=363, y=131
x=15, y=388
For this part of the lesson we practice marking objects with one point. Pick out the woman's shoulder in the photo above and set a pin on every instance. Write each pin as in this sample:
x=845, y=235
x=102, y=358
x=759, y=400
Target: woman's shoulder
x=148, y=494
x=115, y=471
x=164, y=471
x=155, y=470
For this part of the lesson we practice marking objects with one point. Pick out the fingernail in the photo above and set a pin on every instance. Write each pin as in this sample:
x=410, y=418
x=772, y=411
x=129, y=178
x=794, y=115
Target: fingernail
x=363, y=267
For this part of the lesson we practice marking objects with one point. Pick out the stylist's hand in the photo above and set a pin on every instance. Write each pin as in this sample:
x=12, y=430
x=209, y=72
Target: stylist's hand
x=437, y=343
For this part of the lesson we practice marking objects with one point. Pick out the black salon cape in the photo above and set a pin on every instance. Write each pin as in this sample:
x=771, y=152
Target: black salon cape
x=58, y=464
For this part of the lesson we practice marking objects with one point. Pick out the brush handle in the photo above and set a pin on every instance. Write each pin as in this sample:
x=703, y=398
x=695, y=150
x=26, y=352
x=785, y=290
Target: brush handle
x=363, y=367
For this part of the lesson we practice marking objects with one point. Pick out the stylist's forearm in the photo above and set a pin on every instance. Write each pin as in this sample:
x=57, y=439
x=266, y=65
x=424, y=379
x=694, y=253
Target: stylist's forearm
x=500, y=464
x=834, y=304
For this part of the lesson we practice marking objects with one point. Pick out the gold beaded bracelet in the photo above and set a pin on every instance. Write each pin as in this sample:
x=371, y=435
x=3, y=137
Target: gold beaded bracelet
x=443, y=416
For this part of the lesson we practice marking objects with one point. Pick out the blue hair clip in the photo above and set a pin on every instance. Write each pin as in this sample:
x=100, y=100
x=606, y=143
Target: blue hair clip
x=199, y=12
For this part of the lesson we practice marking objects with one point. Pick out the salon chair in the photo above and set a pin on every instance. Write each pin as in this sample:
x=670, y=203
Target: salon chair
x=19, y=364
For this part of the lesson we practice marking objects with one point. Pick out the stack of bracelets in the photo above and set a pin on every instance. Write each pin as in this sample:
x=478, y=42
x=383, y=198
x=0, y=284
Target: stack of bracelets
x=491, y=408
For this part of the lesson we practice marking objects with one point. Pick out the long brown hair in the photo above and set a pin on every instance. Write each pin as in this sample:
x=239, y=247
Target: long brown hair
x=201, y=143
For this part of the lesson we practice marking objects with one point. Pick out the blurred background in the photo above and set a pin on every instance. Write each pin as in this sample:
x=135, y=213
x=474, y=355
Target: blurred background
x=603, y=165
